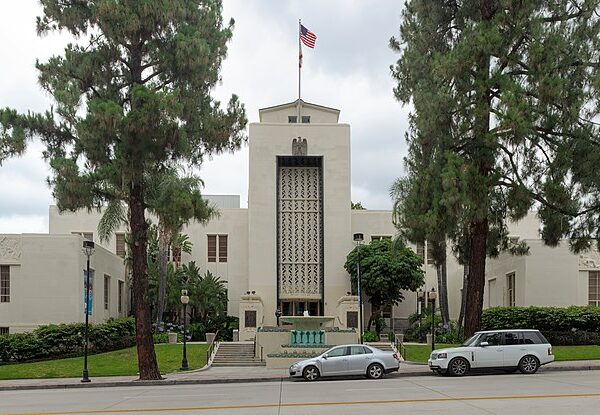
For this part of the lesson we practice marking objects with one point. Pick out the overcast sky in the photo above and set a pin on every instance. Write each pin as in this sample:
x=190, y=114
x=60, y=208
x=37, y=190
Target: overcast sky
x=348, y=70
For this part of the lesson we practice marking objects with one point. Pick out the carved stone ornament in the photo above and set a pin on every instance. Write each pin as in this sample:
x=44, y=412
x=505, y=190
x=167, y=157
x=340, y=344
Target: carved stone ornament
x=299, y=147
x=10, y=248
x=589, y=260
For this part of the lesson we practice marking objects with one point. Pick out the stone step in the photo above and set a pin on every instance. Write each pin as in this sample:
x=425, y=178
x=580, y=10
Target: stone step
x=240, y=364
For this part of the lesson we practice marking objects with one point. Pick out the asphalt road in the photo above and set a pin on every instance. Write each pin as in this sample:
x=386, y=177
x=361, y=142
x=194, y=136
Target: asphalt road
x=541, y=394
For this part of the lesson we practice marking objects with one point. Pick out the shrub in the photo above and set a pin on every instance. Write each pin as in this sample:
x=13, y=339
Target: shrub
x=66, y=340
x=370, y=336
x=545, y=319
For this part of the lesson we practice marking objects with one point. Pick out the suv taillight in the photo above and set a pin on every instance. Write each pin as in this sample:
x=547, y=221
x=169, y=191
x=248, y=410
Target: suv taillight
x=395, y=356
x=550, y=351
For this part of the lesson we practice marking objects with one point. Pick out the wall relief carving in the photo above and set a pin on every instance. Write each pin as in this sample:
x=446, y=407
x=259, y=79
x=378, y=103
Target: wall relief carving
x=10, y=248
x=589, y=260
x=299, y=147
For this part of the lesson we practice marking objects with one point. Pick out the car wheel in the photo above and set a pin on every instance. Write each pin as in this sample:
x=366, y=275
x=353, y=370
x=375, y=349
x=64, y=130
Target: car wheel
x=458, y=367
x=529, y=365
x=311, y=373
x=375, y=371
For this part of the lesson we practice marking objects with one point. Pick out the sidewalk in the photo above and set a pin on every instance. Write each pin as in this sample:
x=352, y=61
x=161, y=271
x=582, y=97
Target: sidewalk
x=234, y=375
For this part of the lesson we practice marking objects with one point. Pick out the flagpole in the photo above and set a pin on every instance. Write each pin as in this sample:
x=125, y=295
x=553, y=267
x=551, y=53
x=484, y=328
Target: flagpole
x=299, y=67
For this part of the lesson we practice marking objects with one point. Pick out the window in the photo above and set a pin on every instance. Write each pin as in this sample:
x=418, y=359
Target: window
x=86, y=235
x=338, y=352
x=386, y=312
x=493, y=339
x=421, y=250
x=222, y=248
x=491, y=292
x=292, y=119
x=532, y=337
x=212, y=248
x=354, y=350
x=4, y=284
x=512, y=338
x=120, y=244
x=380, y=237
x=352, y=319
x=430, y=260
x=176, y=254
x=594, y=288
x=306, y=119
x=106, y=292
x=121, y=292
x=250, y=318
x=4, y=331
x=510, y=289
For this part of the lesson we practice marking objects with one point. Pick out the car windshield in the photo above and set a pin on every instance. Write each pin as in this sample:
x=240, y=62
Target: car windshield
x=471, y=340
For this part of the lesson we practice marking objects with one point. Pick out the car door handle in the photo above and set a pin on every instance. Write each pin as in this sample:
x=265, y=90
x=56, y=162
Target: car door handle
x=500, y=350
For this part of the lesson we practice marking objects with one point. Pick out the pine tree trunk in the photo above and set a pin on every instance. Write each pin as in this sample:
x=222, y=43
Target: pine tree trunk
x=476, y=281
x=163, y=258
x=147, y=364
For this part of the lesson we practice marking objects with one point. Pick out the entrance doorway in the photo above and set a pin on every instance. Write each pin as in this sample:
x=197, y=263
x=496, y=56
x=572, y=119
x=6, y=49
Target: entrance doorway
x=297, y=307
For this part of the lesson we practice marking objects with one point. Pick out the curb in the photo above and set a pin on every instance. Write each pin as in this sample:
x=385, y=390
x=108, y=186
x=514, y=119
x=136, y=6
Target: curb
x=171, y=382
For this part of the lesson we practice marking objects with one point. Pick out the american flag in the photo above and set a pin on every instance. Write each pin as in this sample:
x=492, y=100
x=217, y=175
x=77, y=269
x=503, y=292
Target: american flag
x=307, y=37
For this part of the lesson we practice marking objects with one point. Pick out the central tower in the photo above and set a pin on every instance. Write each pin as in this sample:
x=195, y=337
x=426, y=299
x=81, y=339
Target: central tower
x=299, y=222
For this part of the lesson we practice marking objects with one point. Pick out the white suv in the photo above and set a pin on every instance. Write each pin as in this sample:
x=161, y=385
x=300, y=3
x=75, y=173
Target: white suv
x=525, y=350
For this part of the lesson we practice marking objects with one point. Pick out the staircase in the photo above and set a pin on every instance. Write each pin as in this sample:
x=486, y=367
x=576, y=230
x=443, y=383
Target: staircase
x=235, y=354
x=385, y=346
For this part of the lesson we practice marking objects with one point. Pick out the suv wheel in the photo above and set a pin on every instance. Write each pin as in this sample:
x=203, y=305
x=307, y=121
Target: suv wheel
x=375, y=371
x=458, y=366
x=311, y=373
x=529, y=365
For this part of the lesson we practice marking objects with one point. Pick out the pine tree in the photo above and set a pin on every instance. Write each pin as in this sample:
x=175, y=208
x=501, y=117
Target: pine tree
x=132, y=96
x=519, y=81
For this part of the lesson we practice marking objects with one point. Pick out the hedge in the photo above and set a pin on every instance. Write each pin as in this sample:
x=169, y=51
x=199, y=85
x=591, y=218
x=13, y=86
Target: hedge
x=576, y=325
x=66, y=340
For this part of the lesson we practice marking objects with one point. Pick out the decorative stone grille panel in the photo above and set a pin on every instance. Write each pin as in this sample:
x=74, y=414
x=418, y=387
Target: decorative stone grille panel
x=299, y=233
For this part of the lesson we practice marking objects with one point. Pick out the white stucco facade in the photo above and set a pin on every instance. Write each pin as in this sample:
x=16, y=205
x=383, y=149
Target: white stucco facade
x=285, y=251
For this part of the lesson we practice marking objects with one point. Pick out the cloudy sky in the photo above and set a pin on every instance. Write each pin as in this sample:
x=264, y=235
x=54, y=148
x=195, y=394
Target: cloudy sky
x=348, y=69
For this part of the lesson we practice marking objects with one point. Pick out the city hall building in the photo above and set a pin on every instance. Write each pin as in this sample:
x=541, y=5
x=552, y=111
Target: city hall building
x=285, y=251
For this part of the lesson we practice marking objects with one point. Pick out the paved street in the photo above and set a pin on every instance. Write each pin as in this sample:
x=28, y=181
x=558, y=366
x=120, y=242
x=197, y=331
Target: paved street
x=545, y=393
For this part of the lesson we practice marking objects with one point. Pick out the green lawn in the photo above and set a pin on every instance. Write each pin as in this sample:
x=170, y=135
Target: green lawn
x=419, y=353
x=120, y=362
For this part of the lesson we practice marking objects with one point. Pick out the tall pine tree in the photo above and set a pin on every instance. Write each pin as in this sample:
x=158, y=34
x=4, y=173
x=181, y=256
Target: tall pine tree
x=520, y=82
x=132, y=96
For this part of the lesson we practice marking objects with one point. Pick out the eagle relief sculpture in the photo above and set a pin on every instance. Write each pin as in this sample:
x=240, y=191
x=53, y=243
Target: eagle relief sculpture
x=299, y=147
x=9, y=248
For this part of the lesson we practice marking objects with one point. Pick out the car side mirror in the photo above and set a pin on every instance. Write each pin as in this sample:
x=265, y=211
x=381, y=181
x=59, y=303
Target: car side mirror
x=484, y=344
x=325, y=356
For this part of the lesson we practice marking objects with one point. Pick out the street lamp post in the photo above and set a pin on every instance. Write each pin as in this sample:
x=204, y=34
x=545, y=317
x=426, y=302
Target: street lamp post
x=277, y=315
x=358, y=238
x=184, y=300
x=432, y=297
x=88, y=249
x=420, y=297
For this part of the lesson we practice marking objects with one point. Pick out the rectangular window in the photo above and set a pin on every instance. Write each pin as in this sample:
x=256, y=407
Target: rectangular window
x=106, y=292
x=250, y=318
x=292, y=119
x=306, y=119
x=222, y=248
x=4, y=284
x=212, y=248
x=386, y=312
x=491, y=292
x=4, y=331
x=421, y=250
x=352, y=319
x=120, y=244
x=176, y=254
x=121, y=292
x=510, y=289
x=380, y=237
x=594, y=288
x=512, y=338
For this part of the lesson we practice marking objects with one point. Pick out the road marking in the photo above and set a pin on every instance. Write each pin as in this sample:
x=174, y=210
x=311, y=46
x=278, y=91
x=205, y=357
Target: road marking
x=301, y=404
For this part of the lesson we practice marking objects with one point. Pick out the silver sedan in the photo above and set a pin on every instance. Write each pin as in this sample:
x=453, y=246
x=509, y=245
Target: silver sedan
x=349, y=359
